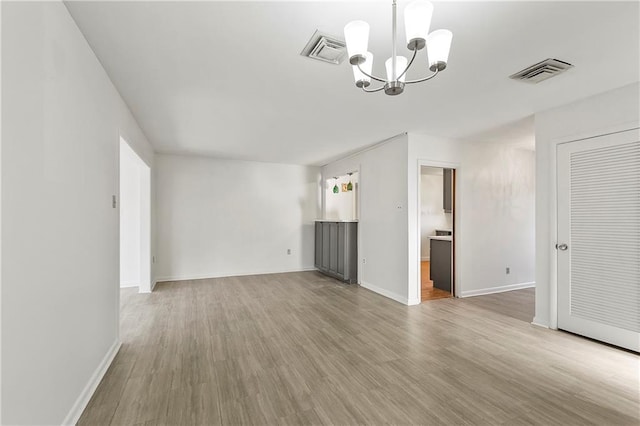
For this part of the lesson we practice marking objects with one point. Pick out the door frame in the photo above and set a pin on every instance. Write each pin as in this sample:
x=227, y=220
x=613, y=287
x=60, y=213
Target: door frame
x=553, y=206
x=456, y=282
x=144, y=181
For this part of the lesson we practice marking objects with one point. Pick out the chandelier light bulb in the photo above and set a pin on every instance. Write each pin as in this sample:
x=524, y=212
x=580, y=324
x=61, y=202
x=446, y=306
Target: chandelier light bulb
x=417, y=20
x=356, y=35
x=361, y=79
x=438, y=46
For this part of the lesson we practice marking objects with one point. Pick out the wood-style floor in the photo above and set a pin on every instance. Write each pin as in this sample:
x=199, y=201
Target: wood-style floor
x=427, y=290
x=301, y=348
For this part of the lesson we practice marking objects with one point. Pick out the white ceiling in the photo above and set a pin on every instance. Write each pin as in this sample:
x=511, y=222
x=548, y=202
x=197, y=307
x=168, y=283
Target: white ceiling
x=226, y=79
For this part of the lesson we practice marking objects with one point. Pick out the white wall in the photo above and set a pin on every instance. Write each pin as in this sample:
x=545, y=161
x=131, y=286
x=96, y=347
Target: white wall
x=129, y=218
x=382, y=227
x=499, y=218
x=432, y=215
x=608, y=112
x=343, y=205
x=60, y=141
x=224, y=217
x=1, y=316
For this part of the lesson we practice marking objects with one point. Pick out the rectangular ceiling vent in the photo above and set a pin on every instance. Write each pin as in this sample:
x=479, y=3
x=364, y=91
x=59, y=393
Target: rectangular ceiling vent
x=541, y=71
x=326, y=48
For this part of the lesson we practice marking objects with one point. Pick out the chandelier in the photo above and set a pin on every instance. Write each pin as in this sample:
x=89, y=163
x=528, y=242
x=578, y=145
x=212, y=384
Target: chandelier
x=417, y=19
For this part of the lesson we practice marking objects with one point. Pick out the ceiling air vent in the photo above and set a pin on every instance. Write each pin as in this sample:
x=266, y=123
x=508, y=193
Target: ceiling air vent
x=326, y=48
x=541, y=71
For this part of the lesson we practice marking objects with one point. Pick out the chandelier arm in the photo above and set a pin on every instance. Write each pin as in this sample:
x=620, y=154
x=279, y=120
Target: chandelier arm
x=415, y=52
x=373, y=90
x=369, y=75
x=423, y=79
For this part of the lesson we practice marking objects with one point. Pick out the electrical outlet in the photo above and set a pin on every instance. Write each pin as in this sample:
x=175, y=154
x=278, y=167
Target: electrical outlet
x=508, y=270
x=288, y=251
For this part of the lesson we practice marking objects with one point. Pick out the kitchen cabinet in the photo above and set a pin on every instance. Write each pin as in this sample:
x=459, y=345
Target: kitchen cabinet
x=447, y=191
x=336, y=249
x=440, y=262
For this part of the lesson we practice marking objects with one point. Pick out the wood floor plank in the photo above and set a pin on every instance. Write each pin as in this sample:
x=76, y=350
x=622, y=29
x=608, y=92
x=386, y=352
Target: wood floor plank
x=302, y=348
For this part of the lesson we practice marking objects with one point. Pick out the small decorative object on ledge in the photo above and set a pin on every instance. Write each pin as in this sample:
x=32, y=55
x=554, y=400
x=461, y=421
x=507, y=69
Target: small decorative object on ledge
x=344, y=187
x=350, y=185
x=335, y=187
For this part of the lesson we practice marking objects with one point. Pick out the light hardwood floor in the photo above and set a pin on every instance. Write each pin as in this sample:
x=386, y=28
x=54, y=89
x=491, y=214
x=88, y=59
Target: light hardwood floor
x=427, y=290
x=301, y=348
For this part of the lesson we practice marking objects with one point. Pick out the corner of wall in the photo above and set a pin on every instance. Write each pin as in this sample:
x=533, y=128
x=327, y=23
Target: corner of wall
x=539, y=323
x=85, y=396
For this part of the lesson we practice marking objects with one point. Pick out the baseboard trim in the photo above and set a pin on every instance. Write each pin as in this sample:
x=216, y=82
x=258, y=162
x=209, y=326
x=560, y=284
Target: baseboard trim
x=86, y=394
x=413, y=302
x=242, y=274
x=128, y=284
x=386, y=293
x=537, y=324
x=501, y=289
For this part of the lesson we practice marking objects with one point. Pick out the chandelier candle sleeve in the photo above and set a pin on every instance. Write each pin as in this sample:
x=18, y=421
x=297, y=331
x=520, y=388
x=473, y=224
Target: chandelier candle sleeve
x=401, y=64
x=363, y=80
x=356, y=35
x=417, y=20
x=438, y=46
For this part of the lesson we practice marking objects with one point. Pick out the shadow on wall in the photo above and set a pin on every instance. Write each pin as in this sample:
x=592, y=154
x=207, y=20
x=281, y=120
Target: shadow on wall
x=505, y=177
x=310, y=211
x=500, y=226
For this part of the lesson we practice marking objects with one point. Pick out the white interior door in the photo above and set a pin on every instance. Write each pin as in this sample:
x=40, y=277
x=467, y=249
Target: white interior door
x=599, y=238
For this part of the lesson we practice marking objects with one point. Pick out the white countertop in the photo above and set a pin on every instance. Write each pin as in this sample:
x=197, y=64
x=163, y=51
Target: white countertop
x=335, y=220
x=440, y=237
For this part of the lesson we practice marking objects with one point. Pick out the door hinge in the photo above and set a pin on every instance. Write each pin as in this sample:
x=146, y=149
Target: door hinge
x=114, y=203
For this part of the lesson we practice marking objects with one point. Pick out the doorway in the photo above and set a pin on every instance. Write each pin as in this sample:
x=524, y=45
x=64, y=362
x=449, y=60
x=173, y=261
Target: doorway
x=135, y=218
x=436, y=232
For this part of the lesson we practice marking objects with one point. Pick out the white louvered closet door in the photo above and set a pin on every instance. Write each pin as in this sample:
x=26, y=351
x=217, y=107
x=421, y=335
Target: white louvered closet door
x=599, y=238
